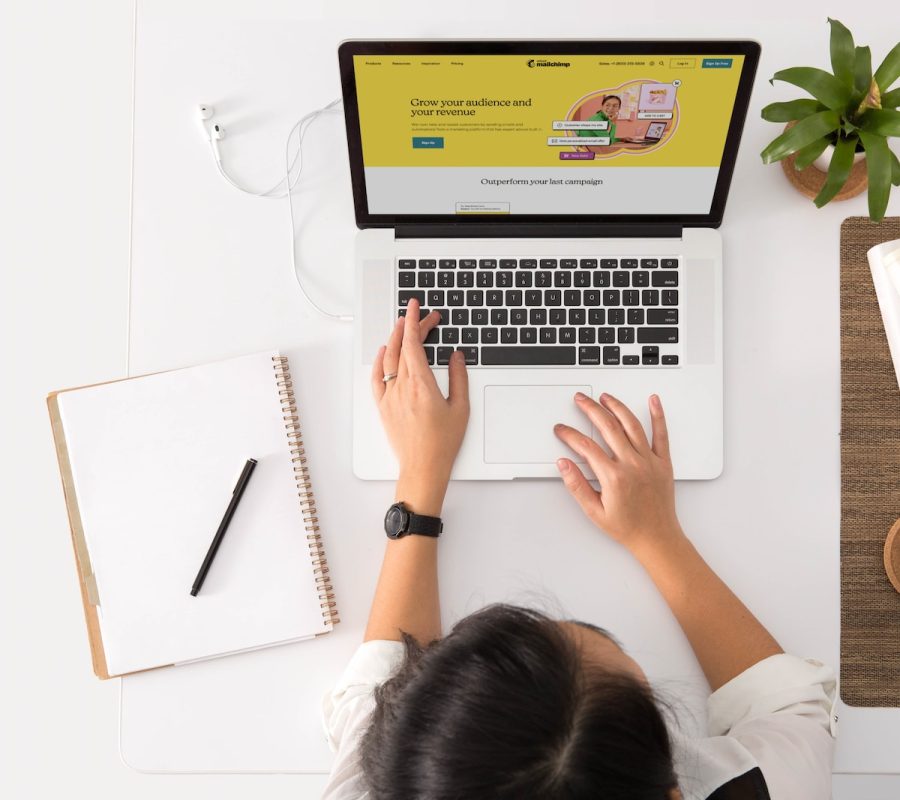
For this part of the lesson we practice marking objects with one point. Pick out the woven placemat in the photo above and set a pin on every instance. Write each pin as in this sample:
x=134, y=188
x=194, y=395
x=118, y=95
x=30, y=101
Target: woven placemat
x=870, y=477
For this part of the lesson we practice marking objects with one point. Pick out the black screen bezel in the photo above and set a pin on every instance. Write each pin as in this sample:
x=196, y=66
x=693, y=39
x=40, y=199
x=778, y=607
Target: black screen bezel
x=674, y=47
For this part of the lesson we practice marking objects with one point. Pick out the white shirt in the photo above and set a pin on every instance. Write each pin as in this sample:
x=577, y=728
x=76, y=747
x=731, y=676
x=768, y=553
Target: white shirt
x=777, y=715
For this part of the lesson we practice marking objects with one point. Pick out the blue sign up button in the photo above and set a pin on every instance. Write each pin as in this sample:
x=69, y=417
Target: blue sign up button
x=428, y=142
x=717, y=63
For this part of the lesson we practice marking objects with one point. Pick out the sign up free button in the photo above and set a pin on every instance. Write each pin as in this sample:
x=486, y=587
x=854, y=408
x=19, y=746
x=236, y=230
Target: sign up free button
x=428, y=142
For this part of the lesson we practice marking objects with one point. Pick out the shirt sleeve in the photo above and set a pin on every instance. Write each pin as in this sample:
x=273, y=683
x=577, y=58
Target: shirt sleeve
x=782, y=711
x=346, y=710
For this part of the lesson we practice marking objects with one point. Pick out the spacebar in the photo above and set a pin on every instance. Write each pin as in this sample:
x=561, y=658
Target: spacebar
x=540, y=356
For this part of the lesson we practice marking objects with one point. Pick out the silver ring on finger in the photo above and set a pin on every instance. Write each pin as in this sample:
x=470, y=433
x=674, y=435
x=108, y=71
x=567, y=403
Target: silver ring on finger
x=389, y=377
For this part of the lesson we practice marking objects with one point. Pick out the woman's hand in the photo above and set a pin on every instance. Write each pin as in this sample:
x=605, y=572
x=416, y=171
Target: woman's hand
x=424, y=428
x=636, y=501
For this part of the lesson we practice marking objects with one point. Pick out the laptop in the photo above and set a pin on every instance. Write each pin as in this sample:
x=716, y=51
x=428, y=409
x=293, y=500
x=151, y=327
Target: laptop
x=652, y=135
x=488, y=184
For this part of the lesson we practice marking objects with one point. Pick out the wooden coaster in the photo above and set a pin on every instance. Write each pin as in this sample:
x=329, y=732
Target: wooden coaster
x=810, y=181
x=892, y=555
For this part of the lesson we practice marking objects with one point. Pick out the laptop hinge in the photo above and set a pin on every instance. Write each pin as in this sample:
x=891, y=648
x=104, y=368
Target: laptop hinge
x=562, y=230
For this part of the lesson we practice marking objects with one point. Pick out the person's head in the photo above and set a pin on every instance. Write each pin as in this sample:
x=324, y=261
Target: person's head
x=611, y=105
x=512, y=704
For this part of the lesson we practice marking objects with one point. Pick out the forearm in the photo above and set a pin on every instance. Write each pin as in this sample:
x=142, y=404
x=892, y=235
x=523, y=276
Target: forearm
x=725, y=636
x=406, y=597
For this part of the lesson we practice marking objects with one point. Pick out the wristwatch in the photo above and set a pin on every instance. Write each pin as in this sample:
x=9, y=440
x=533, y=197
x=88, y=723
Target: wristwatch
x=400, y=522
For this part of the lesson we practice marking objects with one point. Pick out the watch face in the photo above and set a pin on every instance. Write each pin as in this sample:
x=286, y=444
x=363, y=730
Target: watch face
x=396, y=521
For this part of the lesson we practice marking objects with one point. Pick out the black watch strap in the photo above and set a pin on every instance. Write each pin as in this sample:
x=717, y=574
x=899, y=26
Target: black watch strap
x=425, y=526
x=400, y=521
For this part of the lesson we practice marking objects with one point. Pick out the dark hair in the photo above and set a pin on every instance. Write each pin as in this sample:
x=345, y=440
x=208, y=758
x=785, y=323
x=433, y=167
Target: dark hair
x=611, y=97
x=504, y=707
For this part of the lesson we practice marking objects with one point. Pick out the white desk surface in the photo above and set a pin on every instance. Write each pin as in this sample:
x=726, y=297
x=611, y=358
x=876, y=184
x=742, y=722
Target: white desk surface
x=211, y=277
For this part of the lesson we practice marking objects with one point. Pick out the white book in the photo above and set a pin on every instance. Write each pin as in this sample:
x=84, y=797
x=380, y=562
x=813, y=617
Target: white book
x=149, y=465
x=884, y=261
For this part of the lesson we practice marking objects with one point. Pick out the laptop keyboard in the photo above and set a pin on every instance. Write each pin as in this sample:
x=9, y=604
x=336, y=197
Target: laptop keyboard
x=548, y=311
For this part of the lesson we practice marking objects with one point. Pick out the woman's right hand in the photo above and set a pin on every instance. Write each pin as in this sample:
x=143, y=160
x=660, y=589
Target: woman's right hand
x=636, y=501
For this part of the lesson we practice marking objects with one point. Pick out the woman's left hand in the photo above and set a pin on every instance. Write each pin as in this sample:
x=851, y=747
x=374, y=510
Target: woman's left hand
x=425, y=429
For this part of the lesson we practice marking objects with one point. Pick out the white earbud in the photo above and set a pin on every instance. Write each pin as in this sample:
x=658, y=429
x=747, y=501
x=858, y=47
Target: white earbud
x=204, y=113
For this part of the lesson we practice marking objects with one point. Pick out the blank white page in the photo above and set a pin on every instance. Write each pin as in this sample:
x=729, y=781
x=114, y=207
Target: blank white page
x=154, y=461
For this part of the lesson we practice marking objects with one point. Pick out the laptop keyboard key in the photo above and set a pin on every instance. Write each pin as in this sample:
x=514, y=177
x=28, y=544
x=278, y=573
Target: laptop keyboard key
x=450, y=336
x=606, y=335
x=548, y=263
x=489, y=336
x=432, y=337
x=479, y=316
x=582, y=279
x=443, y=355
x=588, y=263
x=487, y=263
x=572, y=297
x=470, y=335
x=504, y=279
x=543, y=279
x=518, y=316
x=427, y=263
x=615, y=316
x=484, y=280
x=621, y=279
x=586, y=336
x=670, y=263
x=628, y=263
x=499, y=316
x=403, y=298
x=625, y=335
x=670, y=297
x=567, y=335
x=494, y=297
x=670, y=361
x=436, y=297
x=649, y=263
x=635, y=316
x=507, y=336
x=562, y=279
x=465, y=279
x=631, y=361
x=597, y=316
x=557, y=316
x=528, y=336
x=548, y=336
x=445, y=279
x=588, y=355
x=455, y=298
x=406, y=279
x=459, y=316
x=533, y=297
x=467, y=263
x=610, y=356
x=601, y=279
x=470, y=353
x=429, y=355
x=609, y=263
x=426, y=280
x=552, y=297
x=658, y=335
x=576, y=316
x=665, y=278
x=475, y=297
x=662, y=316
x=447, y=263
x=537, y=316
x=407, y=263
x=507, y=263
x=568, y=263
x=538, y=355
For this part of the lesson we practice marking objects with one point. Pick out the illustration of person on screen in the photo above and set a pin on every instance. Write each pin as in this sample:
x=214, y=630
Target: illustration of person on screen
x=609, y=112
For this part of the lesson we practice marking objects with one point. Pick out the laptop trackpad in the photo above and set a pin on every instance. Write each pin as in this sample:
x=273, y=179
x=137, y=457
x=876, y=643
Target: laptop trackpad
x=519, y=420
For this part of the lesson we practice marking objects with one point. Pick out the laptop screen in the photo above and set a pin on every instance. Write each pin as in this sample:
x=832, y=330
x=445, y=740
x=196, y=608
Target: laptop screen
x=474, y=134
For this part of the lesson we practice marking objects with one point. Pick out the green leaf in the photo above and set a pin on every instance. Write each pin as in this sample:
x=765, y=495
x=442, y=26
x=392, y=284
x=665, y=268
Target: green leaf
x=881, y=122
x=891, y=99
x=820, y=84
x=806, y=155
x=803, y=133
x=889, y=70
x=862, y=71
x=842, y=52
x=878, y=166
x=895, y=169
x=788, y=112
x=838, y=170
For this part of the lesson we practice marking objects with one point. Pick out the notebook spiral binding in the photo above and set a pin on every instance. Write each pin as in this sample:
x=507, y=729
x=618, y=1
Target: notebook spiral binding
x=307, y=499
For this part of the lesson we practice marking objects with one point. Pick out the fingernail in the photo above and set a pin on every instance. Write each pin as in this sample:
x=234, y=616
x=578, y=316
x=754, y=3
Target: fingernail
x=604, y=397
x=654, y=399
x=580, y=396
x=562, y=465
x=558, y=427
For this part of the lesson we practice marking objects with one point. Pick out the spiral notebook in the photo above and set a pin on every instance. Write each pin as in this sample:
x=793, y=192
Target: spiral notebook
x=148, y=466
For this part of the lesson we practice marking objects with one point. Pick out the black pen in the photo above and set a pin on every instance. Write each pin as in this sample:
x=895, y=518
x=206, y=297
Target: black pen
x=223, y=525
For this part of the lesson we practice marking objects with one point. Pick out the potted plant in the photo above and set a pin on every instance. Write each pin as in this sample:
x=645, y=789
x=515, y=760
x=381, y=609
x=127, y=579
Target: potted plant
x=852, y=111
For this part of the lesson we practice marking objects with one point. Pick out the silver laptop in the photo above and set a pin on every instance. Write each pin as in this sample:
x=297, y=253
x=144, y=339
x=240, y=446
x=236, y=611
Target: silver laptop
x=495, y=182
